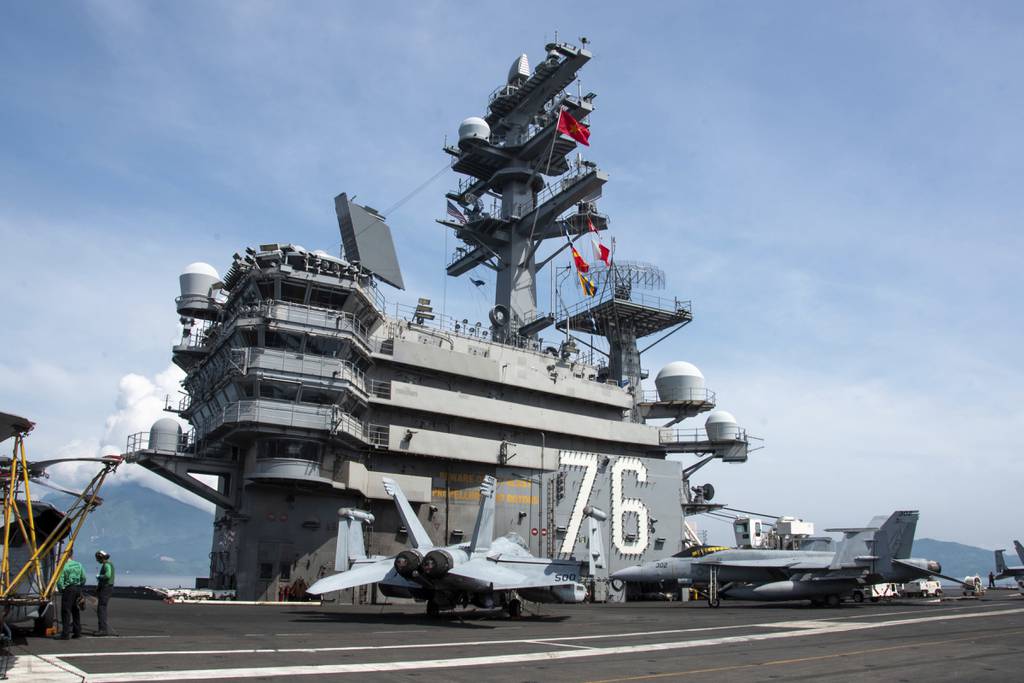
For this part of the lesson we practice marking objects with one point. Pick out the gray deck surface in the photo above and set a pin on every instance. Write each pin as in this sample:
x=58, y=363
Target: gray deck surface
x=903, y=641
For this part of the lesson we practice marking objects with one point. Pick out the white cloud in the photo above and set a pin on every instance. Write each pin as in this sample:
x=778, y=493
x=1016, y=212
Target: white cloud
x=140, y=403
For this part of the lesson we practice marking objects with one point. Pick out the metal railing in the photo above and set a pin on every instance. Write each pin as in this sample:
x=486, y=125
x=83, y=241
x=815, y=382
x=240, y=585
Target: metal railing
x=139, y=441
x=377, y=435
x=183, y=403
x=200, y=335
x=464, y=329
x=698, y=435
x=687, y=395
x=304, y=364
x=607, y=293
x=566, y=181
x=379, y=388
x=315, y=316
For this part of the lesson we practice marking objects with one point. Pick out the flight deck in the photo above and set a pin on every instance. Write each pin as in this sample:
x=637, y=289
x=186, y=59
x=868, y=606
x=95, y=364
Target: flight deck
x=976, y=639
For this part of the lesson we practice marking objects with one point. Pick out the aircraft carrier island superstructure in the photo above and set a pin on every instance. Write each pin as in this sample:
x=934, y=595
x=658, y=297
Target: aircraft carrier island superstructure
x=304, y=387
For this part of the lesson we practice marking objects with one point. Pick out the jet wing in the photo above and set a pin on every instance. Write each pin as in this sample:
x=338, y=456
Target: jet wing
x=924, y=573
x=518, y=574
x=776, y=563
x=357, y=576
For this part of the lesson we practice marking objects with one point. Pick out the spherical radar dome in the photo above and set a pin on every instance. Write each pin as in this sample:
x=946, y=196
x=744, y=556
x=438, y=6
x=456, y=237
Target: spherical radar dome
x=200, y=268
x=721, y=426
x=165, y=434
x=474, y=129
x=196, y=281
x=680, y=381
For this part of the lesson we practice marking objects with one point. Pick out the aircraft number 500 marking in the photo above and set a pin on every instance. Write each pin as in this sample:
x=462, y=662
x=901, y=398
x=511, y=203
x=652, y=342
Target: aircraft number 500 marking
x=621, y=506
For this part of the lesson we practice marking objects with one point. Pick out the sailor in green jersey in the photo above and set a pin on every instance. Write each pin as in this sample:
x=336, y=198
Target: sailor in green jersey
x=104, y=587
x=70, y=583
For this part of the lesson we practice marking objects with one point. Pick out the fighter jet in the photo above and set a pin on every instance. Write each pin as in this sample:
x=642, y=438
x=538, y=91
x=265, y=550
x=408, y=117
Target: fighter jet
x=1014, y=572
x=486, y=572
x=874, y=554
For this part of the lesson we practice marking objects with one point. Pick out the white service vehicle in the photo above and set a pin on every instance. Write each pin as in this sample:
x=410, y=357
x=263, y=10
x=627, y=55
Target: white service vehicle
x=973, y=585
x=875, y=592
x=923, y=588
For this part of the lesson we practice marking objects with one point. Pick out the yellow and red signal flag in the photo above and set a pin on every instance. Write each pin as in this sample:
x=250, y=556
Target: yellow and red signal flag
x=587, y=284
x=581, y=265
x=601, y=252
x=573, y=128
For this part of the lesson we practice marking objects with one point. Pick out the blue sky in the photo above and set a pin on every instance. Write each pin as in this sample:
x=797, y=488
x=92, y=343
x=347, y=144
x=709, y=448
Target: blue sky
x=836, y=186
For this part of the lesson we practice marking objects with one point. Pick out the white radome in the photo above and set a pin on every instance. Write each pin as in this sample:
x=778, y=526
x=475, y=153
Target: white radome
x=474, y=128
x=200, y=268
x=165, y=434
x=721, y=426
x=680, y=381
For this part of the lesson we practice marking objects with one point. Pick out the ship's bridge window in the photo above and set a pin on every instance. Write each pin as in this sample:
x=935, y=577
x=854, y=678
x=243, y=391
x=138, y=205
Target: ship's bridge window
x=279, y=391
x=293, y=292
x=327, y=298
x=320, y=397
x=323, y=346
x=276, y=339
x=291, y=449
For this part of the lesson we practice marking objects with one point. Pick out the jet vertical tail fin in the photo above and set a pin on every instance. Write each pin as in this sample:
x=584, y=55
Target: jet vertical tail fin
x=1020, y=550
x=419, y=536
x=483, y=532
x=895, y=539
x=1000, y=562
x=351, y=545
x=855, y=544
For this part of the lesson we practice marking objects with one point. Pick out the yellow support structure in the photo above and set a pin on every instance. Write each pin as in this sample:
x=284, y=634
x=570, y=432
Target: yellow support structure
x=17, y=492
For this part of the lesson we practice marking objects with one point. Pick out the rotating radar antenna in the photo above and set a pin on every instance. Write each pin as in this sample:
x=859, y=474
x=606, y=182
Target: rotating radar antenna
x=625, y=275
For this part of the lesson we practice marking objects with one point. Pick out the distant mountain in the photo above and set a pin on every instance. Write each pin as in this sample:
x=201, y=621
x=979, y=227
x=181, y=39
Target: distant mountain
x=959, y=560
x=145, y=532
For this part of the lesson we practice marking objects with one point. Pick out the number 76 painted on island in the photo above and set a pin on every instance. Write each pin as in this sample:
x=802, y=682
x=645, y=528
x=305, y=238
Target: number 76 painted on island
x=621, y=506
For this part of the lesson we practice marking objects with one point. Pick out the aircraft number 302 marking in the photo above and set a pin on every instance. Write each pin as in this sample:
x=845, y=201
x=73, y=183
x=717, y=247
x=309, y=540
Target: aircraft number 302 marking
x=621, y=506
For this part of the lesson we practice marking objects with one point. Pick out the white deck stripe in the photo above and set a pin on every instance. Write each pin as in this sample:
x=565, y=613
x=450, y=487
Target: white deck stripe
x=571, y=645
x=413, y=646
x=530, y=657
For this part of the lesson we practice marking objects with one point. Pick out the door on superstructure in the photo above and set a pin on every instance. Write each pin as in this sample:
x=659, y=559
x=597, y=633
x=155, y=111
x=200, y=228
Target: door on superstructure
x=274, y=570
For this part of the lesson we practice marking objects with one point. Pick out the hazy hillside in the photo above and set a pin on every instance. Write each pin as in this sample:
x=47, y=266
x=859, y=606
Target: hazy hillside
x=146, y=532
x=960, y=560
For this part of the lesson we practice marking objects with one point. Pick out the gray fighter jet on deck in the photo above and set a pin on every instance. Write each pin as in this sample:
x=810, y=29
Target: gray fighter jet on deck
x=1012, y=572
x=874, y=554
x=485, y=572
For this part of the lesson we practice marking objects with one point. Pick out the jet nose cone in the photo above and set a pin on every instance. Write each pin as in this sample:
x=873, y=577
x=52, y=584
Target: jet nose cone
x=628, y=574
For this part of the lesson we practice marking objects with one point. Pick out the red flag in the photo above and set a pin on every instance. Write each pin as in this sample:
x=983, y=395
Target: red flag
x=573, y=128
x=581, y=265
x=601, y=252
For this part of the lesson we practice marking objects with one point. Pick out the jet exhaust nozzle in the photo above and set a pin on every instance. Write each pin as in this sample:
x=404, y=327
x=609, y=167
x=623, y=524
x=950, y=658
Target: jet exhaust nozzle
x=436, y=564
x=407, y=562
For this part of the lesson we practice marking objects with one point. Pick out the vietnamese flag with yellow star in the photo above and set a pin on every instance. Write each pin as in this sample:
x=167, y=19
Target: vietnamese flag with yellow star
x=573, y=128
